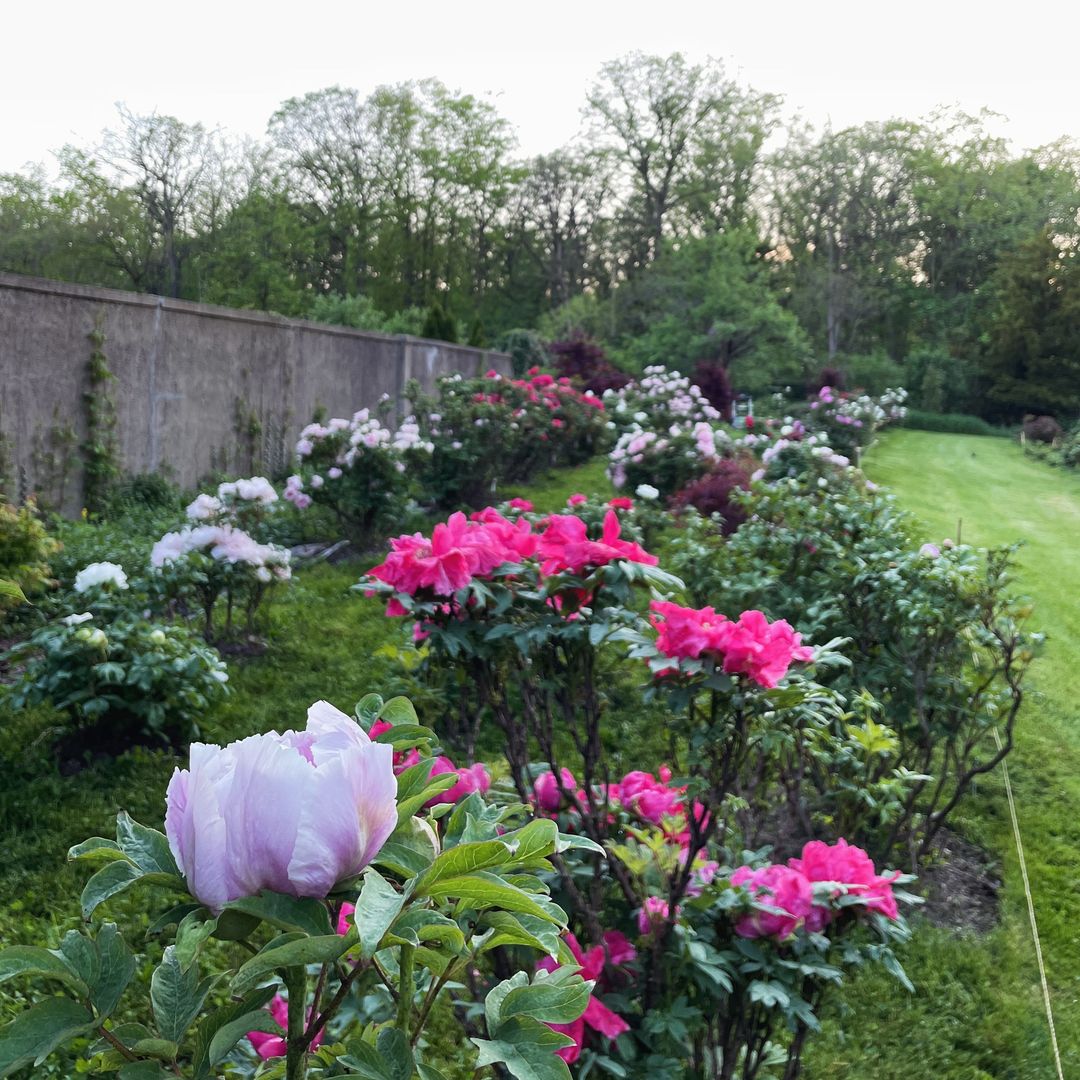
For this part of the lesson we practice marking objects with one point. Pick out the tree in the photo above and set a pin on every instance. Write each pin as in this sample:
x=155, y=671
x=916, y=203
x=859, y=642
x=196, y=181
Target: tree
x=169, y=165
x=1031, y=356
x=711, y=298
x=687, y=139
x=844, y=223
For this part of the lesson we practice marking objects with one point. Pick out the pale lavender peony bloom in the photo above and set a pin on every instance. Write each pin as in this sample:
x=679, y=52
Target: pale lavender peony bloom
x=293, y=812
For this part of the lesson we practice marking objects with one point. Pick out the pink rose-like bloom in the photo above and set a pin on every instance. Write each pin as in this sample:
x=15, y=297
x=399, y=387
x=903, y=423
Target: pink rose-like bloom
x=685, y=632
x=548, y=796
x=782, y=887
x=761, y=650
x=597, y=1015
x=344, y=923
x=267, y=1045
x=293, y=812
x=930, y=551
x=849, y=866
x=577, y=499
x=470, y=779
x=565, y=546
x=521, y=504
x=653, y=913
x=621, y=502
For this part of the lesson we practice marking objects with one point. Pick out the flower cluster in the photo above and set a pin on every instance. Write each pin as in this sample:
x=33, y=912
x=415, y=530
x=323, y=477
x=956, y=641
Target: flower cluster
x=669, y=457
x=464, y=549
x=853, y=419
x=752, y=646
x=661, y=397
x=227, y=545
x=802, y=892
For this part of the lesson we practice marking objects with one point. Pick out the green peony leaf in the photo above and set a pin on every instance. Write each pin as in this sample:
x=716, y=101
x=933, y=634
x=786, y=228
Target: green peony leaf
x=378, y=905
x=528, y=1050
x=176, y=995
x=34, y=1034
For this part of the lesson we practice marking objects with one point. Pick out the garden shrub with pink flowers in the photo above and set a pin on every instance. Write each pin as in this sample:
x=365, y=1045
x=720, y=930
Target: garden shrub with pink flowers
x=530, y=609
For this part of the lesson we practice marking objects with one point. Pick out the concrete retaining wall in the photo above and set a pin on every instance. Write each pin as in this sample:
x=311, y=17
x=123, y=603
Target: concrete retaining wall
x=197, y=387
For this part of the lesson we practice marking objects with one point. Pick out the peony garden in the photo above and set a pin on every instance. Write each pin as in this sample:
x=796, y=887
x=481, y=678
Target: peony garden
x=536, y=727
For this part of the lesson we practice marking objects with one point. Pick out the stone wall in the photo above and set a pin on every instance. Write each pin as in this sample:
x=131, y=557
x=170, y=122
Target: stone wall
x=197, y=387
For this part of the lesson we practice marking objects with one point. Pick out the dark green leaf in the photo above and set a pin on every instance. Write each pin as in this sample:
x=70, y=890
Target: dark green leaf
x=305, y=950
x=147, y=848
x=34, y=1034
x=547, y=1000
x=111, y=879
x=176, y=995
x=39, y=963
x=228, y=1035
x=396, y=1052
x=286, y=912
x=528, y=1050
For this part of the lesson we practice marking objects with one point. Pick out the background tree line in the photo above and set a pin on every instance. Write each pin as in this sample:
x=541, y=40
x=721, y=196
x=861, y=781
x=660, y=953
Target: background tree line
x=686, y=223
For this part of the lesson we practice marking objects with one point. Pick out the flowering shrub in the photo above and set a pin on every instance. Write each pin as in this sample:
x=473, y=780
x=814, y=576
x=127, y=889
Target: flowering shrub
x=25, y=550
x=121, y=678
x=359, y=468
x=495, y=429
x=218, y=560
x=941, y=643
x=528, y=611
x=328, y=911
x=661, y=398
x=667, y=460
x=850, y=420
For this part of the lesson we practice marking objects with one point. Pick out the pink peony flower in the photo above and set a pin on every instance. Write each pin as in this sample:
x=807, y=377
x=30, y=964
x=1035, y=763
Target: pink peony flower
x=653, y=913
x=687, y=632
x=761, y=650
x=565, y=546
x=577, y=499
x=548, y=796
x=849, y=866
x=621, y=502
x=470, y=779
x=597, y=1015
x=344, y=921
x=781, y=887
x=293, y=813
x=267, y=1045
x=521, y=504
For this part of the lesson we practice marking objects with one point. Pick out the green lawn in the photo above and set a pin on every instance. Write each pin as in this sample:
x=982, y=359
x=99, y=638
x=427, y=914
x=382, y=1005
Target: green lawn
x=978, y=1011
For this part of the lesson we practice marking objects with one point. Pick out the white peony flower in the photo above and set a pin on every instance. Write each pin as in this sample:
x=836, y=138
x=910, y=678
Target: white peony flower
x=100, y=573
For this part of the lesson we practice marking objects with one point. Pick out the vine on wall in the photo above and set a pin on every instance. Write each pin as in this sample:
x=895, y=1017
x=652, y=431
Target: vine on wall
x=100, y=460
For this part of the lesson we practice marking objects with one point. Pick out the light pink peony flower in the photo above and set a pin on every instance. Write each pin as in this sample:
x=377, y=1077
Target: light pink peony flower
x=293, y=812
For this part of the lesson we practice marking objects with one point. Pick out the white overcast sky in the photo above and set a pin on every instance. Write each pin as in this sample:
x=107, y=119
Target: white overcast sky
x=228, y=64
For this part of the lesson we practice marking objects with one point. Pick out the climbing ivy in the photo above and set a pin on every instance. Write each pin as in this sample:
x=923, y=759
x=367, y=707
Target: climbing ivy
x=100, y=465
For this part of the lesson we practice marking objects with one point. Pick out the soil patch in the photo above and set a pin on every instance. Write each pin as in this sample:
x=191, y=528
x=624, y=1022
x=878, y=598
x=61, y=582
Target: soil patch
x=961, y=883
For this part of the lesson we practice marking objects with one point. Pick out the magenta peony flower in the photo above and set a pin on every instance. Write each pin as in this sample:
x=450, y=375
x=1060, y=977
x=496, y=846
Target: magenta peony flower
x=849, y=866
x=521, y=504
x=761, y=650
x=565, y=546
x=781, y=887
x=653, y=912
x=270, y=1046
x=473, y=778
x=577, y=499
x=621, y=502
x=687, y=632
x=548, y=796
x=597, y=1015
x=293, y=812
